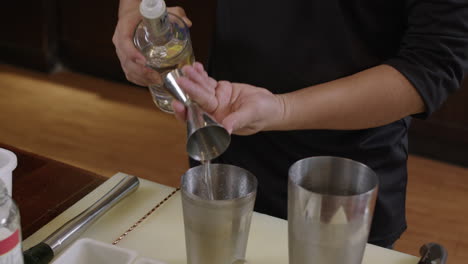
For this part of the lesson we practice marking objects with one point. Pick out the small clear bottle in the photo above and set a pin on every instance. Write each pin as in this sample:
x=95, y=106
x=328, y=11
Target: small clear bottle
x=164, y=39
x=10, y=229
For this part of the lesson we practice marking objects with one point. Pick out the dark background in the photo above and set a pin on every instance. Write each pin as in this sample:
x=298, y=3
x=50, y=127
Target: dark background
x=77, y=35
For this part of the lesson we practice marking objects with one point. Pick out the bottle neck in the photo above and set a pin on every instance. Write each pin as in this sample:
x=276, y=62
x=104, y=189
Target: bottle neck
x=159, y=30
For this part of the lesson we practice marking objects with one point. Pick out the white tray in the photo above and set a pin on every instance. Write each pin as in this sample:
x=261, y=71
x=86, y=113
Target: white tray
x=89, y=251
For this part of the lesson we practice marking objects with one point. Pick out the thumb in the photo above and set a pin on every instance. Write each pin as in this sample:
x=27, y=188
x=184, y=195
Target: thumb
x=238, y=120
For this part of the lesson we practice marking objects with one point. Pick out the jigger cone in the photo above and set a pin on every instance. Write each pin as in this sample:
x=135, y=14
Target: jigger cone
x=206, y=138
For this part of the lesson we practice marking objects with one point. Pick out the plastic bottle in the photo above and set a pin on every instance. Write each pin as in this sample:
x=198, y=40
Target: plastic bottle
x=164, y=40
x=10, y=229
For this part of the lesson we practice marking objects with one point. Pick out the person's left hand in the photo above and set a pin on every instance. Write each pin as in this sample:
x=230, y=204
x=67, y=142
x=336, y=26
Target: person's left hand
x=132, y=61
x=242, y=109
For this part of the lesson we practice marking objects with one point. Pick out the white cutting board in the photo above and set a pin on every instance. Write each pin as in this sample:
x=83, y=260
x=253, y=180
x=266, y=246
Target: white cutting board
x=161, y=235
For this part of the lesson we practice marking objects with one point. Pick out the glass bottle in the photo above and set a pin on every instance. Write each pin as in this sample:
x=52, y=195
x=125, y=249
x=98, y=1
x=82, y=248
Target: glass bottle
x=10, y=229
x=164, y=39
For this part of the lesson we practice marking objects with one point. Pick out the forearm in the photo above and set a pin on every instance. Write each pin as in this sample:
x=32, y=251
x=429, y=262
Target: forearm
x=371, y=98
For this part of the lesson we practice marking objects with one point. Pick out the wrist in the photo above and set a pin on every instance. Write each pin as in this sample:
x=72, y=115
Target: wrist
x=279, y=117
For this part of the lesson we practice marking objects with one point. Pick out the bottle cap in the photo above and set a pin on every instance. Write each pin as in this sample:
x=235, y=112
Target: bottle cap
x=152, y=9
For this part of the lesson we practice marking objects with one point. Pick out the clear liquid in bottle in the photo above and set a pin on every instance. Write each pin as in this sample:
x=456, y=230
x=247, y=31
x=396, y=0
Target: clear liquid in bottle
x=164, y=40
x=163, y=59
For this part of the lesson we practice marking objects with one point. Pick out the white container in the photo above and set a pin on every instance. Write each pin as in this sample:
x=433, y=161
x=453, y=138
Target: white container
x=88, y=251
x=8, y=162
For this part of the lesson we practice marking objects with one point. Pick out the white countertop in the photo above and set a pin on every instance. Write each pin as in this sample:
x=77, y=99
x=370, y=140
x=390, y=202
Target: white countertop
x=161, y=235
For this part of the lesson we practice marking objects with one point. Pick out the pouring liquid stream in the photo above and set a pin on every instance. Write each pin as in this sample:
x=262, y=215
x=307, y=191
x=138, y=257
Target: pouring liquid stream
x=208, y=181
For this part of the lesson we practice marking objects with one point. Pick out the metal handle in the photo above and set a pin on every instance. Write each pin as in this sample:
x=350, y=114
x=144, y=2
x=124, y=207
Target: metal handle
x=76, y=226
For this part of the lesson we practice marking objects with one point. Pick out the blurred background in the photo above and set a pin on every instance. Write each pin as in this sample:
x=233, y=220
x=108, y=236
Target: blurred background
x=47, y=35
x=63, y=95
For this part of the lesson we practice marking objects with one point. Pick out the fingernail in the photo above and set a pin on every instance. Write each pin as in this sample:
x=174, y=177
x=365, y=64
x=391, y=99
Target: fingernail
x=228, y=128
x=200, y=66
x=187, y=21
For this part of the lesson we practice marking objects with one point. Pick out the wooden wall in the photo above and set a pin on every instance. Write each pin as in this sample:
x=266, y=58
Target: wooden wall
x=29, y=33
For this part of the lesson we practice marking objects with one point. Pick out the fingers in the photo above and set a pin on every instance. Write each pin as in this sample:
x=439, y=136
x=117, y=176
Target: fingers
x=197, y=74
x=133, y=62
x=238, y=120
x=180, y=111
x=132, y=67
x=209, y=82
x=128, y=48
x=199, y=68
x=199, y=86
x=196, y=93
x=136, y=73
x=179, y=11
x=224, y=93
x=123, y=35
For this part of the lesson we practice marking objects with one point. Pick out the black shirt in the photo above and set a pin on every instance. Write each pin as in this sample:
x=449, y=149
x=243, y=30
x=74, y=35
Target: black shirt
x=288, y=45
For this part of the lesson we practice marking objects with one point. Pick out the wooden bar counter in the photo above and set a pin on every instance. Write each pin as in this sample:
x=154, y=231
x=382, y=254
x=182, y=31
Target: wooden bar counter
x=43, y=188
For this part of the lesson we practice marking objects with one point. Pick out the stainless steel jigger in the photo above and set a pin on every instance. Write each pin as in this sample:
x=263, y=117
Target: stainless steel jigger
x=206, y=138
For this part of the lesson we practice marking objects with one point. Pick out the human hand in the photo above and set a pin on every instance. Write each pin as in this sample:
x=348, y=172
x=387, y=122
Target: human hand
x=132, y=61
x=241, y=108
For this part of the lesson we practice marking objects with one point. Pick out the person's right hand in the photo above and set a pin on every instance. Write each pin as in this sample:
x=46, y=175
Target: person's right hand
x=132, y=61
